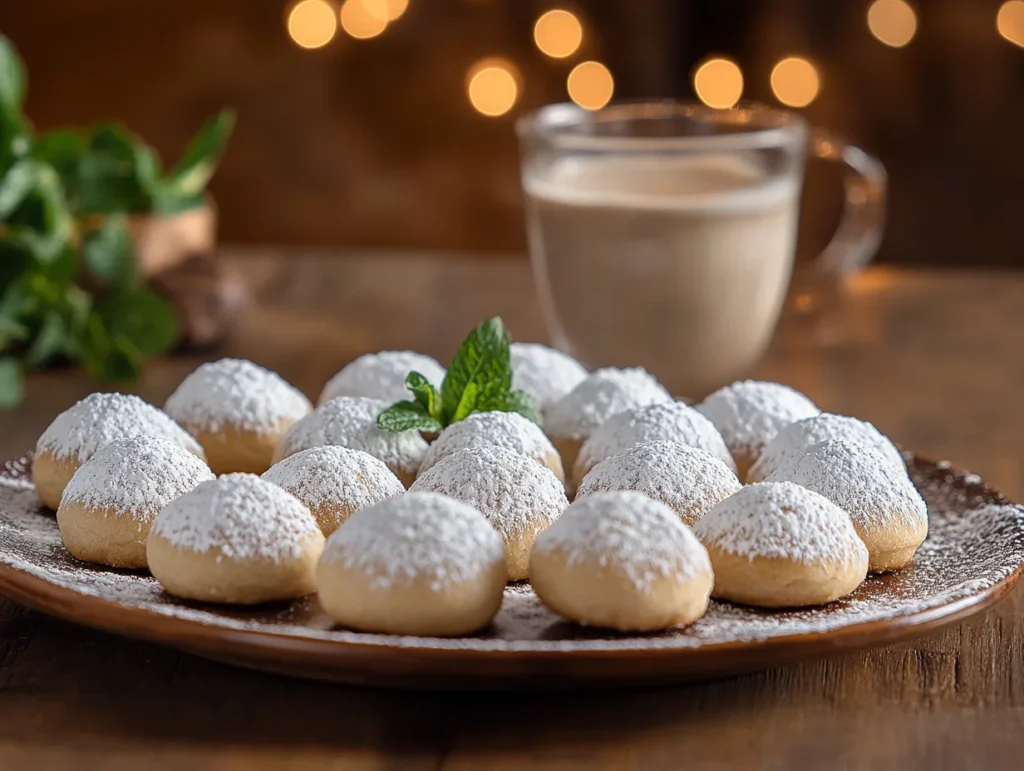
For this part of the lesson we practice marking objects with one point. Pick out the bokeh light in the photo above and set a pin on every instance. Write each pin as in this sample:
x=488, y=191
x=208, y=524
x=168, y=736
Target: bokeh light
x=492, y=86
x=718, y=83
x=558, y=33
x=358, y=21
x=312, y=23
x=386, y=10
x=1010, y=21
x=795, y=82
x=893, y=22
x=591, y=85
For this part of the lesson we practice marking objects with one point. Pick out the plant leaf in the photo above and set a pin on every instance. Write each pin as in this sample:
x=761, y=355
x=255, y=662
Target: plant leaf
x=16, y=185
x=12, y=76
x=407, y=416
x=483, y=360
x=467, y=404
x=425, y=393
x=521, y=402
x=62, y=149
x=12, y=383
x=142, y=318
x=107, y=179
x=107, y=251
x=194, y=170
x=49, y=341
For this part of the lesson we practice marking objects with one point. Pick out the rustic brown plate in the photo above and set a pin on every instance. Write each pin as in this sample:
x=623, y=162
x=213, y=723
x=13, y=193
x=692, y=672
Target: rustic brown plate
x=972, y=558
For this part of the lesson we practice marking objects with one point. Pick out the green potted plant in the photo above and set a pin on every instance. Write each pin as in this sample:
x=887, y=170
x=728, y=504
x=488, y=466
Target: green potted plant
x=86, y=216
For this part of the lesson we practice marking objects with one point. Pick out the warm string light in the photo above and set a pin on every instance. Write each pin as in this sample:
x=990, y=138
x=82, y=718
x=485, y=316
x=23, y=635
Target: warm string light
x=358, y=21
x=312, y=23
x=558, y=33
x=386, y=10
x=492, y=86
x=1010, y=21
x=795, y=82
x=718, y=83
x=892, y=22
x=590, y=85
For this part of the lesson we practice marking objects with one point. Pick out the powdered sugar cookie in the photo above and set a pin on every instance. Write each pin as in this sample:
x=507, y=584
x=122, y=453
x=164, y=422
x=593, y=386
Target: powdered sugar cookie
x=97, y=420
x=420, y=564
x=517, y=495
x=544, y=373
x=779, y=545
x=108, y=506
x=749, y=413
x=236, y=539
x=335, y=482
x=382, y=376
x=688, y=480
x=623, y=561
x=238, y=411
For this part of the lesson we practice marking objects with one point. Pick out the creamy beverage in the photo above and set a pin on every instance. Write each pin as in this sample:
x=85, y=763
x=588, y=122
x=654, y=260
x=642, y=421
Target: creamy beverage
x=677, y=263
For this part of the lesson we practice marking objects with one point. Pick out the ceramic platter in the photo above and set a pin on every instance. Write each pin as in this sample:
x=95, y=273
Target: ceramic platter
x=972, y=558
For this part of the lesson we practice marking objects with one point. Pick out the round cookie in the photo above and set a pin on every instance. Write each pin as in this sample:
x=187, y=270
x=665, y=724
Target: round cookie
x=888, y=513
x=779, y=545
x=501, y=429
x=688, y=480
x=382, y=376
x=797, y=437
x=623, y=561
x=519, y=496
x=80, y=431
x=602, y=394
x=545, y=373
x=236, y=539
x=238, y=411
x=668, y=421
x=351, y=421
x=335, y=482
x=108, y=506
x=420, y=564
x=749, y=413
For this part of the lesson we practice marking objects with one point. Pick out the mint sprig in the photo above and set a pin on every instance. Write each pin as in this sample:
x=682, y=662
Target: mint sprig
x=479, y=379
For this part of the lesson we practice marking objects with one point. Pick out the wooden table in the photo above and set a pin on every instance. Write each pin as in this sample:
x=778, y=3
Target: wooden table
x=935, y=359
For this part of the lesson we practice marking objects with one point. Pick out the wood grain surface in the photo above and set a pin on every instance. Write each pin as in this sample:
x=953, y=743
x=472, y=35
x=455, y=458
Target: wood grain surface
x=933, y=358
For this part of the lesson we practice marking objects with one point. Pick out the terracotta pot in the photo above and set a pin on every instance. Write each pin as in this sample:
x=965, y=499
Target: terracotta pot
x=162, y=243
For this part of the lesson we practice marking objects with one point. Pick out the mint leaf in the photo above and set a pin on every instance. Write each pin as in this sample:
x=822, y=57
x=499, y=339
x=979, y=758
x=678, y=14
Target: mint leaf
x=521, y=402
x=483, y=360
x=12, y=383
x=108, y=253
x=12, y=77
x=141, y=318
x=407, y=416
x=468, y=403
x=425, y=393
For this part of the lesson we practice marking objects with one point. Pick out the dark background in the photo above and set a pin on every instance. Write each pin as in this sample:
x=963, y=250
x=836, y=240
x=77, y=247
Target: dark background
x=373, y=142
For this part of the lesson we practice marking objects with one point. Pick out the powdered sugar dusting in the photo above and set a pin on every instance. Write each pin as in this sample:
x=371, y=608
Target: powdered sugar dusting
x=544, y=373
x=851, y=475
x=335, y=475
x=241, y=516
x=351, y=421
x=417, y=537
x=670, y=421
x=513, y=491
x=236, y=393
x=975, y=542
x=749, y=413
x=101, y=418
x=502, y=429
x=687, y=479
x=604, y=393
x=382, y=376
x=797, y=437
x=781, y=520
x=628, y=531
x=137, y=476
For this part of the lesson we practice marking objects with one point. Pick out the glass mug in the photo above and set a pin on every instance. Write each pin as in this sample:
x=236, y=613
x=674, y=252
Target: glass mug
x=663, y=234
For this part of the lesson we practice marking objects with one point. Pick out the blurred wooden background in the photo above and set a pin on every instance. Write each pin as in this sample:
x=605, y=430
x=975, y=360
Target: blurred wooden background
x=374, y=143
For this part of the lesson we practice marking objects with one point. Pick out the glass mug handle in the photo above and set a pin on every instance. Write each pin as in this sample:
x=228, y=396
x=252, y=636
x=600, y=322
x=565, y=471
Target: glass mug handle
x=861, y=224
